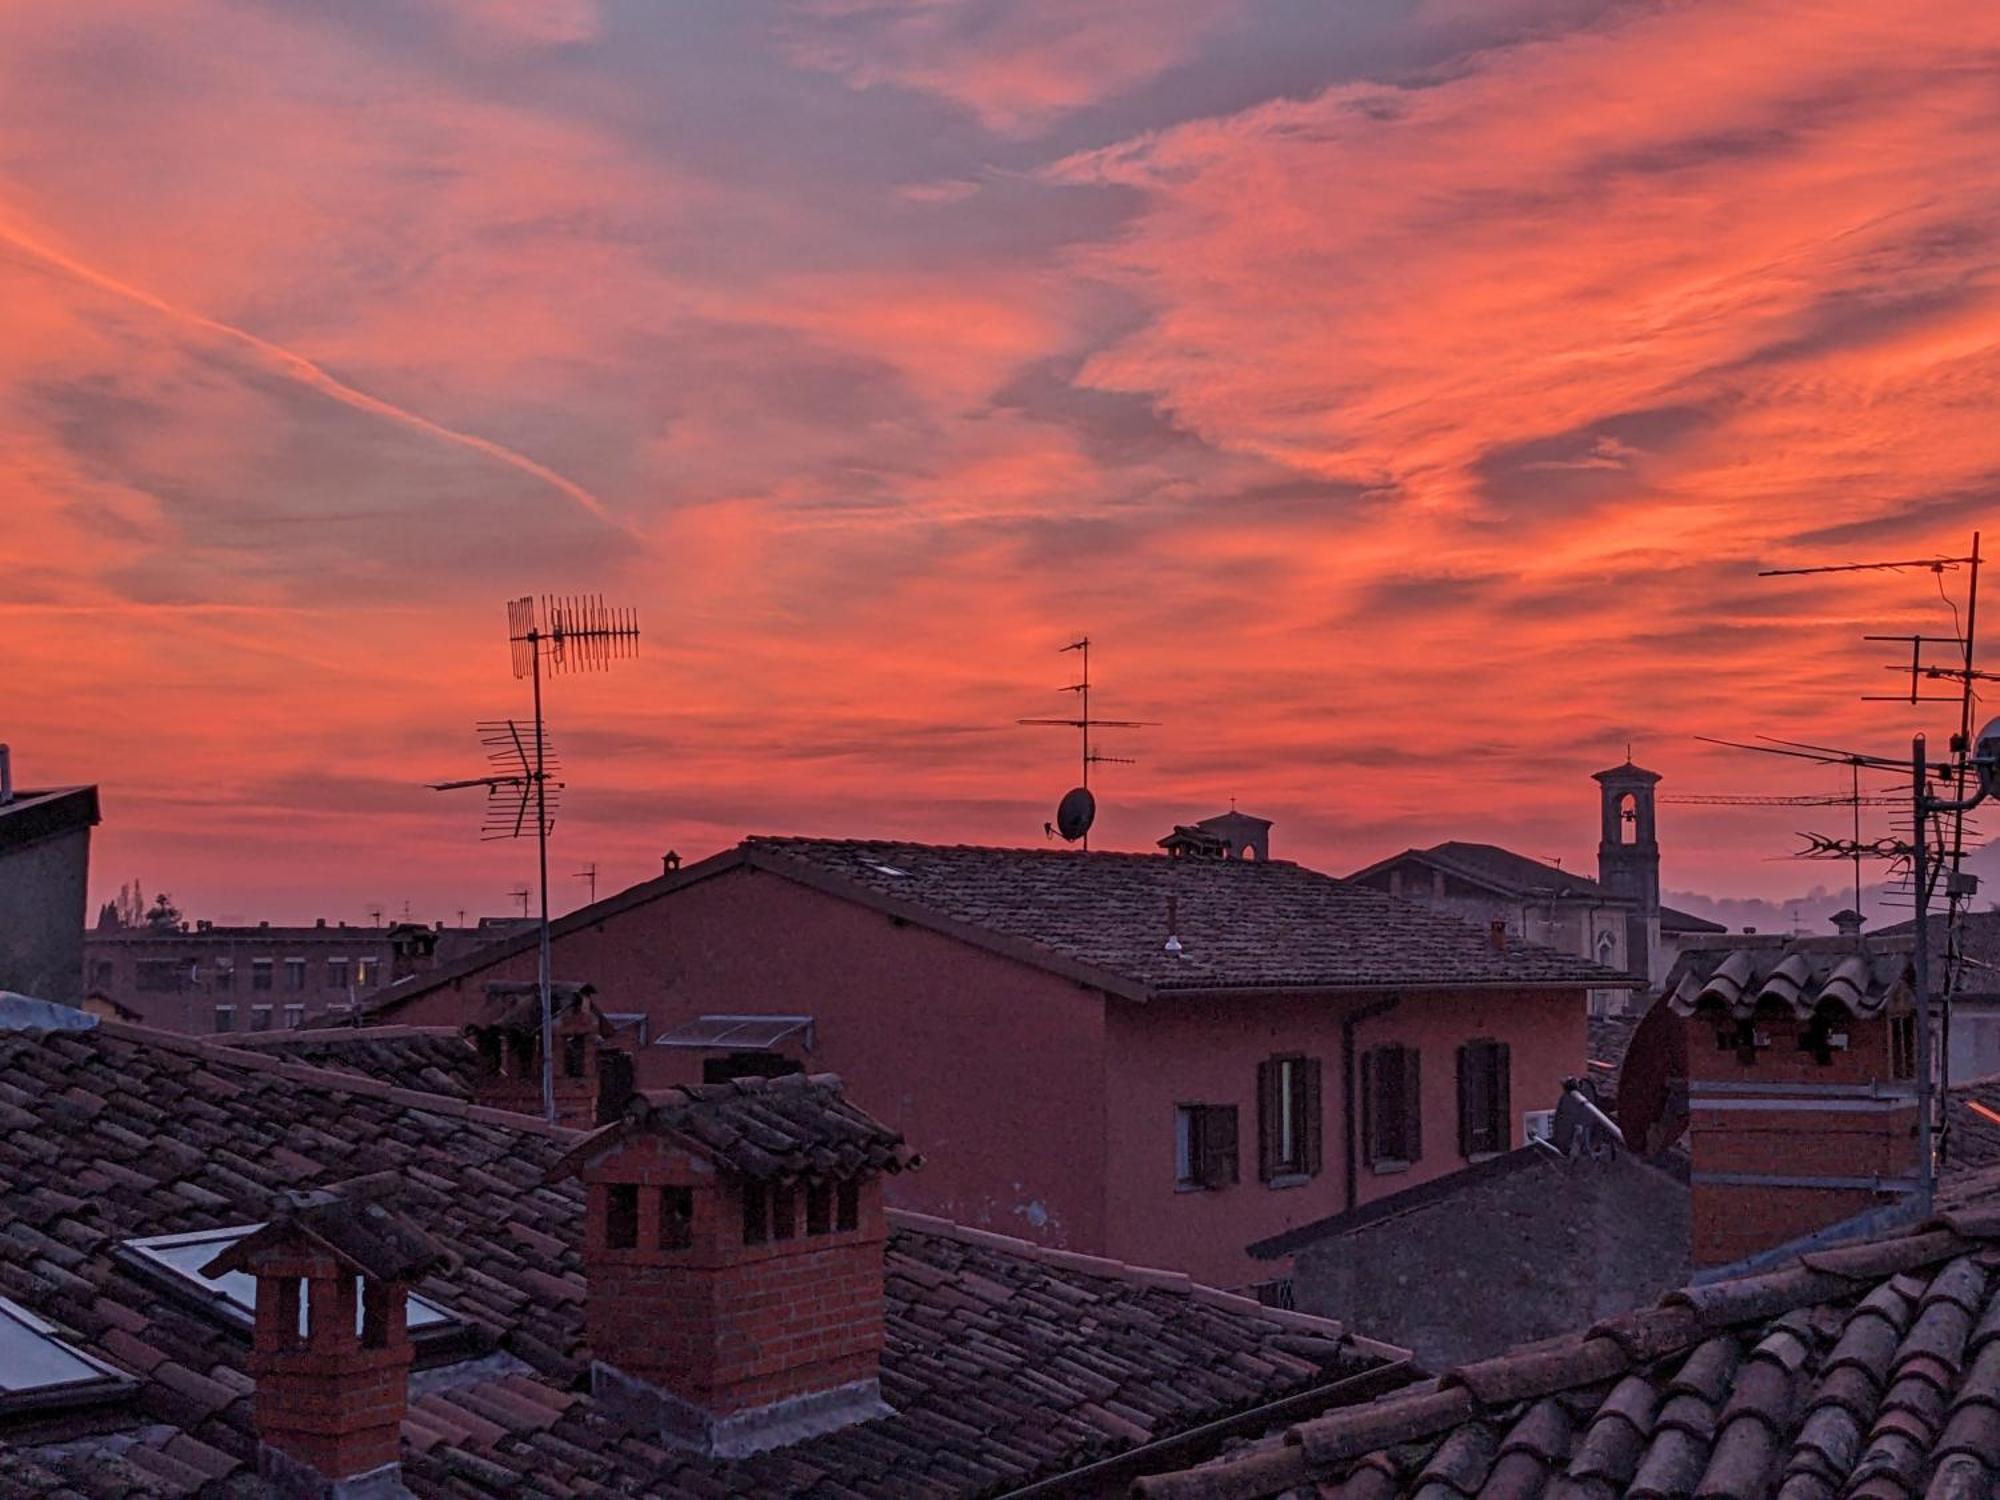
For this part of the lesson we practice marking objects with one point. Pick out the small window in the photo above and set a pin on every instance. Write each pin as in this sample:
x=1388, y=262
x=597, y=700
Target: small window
x=38, y=1369
x=223, y=977
x=621, y=1216
x=225, y=1018
x=161, y=976
x=1204, y=1145
x=260, y=973
x=819, y=1208
x=295, y=974
x=1485, y=1108
x=336, y=973
x=676, y=1218
x=847, y=1206
x=1288, y=1118
x=573, y=1055
x=295, y=1017
x=260, y=1018
x=756, y=1214
x=367, y=972
x=1391, y=1107
x=784, y=1212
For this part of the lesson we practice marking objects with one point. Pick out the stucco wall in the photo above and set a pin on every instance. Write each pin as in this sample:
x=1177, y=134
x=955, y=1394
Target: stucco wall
x=42, y=896
x=993, y=1070
x=1207, y=1051
x=1523, y=1255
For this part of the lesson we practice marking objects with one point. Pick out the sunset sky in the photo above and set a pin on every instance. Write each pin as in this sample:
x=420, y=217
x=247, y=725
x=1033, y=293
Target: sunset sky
x=1402, y=395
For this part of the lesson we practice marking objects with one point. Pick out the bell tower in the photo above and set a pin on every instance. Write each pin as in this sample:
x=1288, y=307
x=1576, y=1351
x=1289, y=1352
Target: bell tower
x=1628, y=859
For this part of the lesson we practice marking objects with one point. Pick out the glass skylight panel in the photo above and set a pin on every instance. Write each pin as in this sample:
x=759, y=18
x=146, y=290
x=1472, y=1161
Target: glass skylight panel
x=185, y=1254
x=33, y=1357
x=742, y=1033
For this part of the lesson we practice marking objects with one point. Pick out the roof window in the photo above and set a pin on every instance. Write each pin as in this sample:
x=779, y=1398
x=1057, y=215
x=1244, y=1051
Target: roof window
x=739, y=1033
x=234, y=1293
x=889, y=870
x=38, y=1369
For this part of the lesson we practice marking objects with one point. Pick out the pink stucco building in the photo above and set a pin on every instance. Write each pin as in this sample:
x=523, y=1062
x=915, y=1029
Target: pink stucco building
x=1152, y=1058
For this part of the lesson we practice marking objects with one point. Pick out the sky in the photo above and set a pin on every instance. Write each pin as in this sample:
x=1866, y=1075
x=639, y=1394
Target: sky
x=1403, y=395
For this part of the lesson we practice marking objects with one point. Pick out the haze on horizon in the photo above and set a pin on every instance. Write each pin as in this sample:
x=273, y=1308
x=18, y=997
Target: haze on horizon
x=1402, y=396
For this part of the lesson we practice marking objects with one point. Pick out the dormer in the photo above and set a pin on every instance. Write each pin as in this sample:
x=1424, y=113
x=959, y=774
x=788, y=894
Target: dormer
x=733, y=1255
x=330, y=1352
x=508, y=1036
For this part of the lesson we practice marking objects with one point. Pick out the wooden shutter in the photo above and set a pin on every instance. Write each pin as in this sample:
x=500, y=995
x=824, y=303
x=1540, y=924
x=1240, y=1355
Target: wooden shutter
x=1309, y=1114
x=1503, y=1102
x=1267, y=1121
x=1468, y=1101
x=1371, y=1095
x=1218, y=1145
x=1413, y=1104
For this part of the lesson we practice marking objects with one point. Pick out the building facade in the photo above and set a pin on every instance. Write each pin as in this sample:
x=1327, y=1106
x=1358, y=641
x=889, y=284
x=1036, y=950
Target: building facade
x=44, y=873
x=1117, y=1054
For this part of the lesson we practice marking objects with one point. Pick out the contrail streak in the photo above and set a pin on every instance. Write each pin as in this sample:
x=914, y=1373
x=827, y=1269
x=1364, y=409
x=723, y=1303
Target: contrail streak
x=310, y=374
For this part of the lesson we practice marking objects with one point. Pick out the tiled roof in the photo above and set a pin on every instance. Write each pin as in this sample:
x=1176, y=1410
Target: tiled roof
x=1871, y=1371
x=1796, y=974
x=1974, y=1111
x=1004, y=1362
x=1609, y=1038
x=428, y=1059
x=765, y=1129
x=1516, y=873
x=32, y=816
x=1242, y=923
x=1981, y=974
x=1681, y=921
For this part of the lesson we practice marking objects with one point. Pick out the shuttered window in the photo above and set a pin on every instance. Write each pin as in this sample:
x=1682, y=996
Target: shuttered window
x=1484, y=1108
x=1204, y=1145
x=1288, y=1118
x=1392, y=1126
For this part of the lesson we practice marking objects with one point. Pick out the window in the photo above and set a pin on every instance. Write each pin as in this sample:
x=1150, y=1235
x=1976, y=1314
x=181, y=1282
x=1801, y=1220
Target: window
x=1485, y=1111
x=1204, y=1145
x=621, y=1216
x=756, y=1214
x=367, y=971
x=1288, y=1124
x=1391, y=1107
x=295, y=974
x=295, y=1017
x=573, y=1055
x=223, y=977
x=176, y=1260
x=161, y=976
x=336, y=973
x=260, y=973
x=38, y=1369
x=1903, y=1046
x=225, y=1018
x=676, y=1218
x=260, y=1018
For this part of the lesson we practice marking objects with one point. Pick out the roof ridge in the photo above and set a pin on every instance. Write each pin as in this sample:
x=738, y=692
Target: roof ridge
x=1177, y=1282
x=395, y=1031
x=328, y=1078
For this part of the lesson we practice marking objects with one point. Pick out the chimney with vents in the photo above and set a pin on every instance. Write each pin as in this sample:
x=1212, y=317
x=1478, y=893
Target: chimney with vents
x=508, y=1035
x=1848, y=923
x=733, y=1254
x=331, y=1348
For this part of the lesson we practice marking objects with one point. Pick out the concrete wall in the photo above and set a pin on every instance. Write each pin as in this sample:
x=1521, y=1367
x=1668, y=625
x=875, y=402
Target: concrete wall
x=42, y=905
x=993, y=1070
x=1519, y=1255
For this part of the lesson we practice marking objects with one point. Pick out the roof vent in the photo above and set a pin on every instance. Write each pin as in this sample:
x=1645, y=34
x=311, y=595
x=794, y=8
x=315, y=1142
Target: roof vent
x=1848, y=923
x=1174, y=926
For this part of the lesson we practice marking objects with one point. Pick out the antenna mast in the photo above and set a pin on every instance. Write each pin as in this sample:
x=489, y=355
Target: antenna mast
x=1079, y=807
x=568, y=633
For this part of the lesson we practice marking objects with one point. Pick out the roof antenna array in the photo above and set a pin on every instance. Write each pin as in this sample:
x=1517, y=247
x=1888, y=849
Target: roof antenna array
x=1078, y=808
x=560, y=633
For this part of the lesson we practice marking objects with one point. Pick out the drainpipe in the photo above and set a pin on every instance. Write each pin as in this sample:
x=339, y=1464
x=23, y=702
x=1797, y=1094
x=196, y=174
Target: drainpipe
x=1350, y=1089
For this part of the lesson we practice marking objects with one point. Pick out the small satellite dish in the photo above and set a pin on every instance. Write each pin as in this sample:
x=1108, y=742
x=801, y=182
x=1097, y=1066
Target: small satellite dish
x=1075, y=813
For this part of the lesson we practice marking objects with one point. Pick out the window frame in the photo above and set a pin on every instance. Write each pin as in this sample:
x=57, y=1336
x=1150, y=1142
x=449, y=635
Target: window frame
x=104, y=1384
x=1290, y=1119
x=1407, y=1096
x=1485, y=1098
x=225, y=1020
x=1207, y=1150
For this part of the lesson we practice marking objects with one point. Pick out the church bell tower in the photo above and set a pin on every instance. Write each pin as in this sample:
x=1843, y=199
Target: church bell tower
x=1628, y=859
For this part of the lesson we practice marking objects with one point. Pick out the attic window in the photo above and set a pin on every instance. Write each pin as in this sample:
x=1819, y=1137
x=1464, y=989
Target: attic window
x=38, y=1369
x=176, y=1260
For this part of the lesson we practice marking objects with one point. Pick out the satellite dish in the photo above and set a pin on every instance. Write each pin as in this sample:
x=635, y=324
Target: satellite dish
x=1075, y=813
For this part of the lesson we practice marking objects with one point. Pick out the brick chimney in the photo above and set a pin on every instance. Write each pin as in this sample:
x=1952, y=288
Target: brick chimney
x=412, y=950
x=733, y=1251
x=1801, y=1087
x=331, y=1351
x=508, y=1035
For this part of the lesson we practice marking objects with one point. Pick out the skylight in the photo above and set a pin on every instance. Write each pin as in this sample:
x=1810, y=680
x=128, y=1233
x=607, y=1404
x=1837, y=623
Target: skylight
x=35, y=1362
x=235, y=1292
x=889, y=870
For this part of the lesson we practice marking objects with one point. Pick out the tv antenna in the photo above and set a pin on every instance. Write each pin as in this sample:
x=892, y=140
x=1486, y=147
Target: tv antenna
x=521, y=893
x=589, y=873
x=1078, y=808
x=558, y=633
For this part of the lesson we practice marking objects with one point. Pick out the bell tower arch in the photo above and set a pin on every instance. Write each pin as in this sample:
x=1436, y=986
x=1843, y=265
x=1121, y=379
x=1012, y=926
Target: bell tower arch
x=1628, y=858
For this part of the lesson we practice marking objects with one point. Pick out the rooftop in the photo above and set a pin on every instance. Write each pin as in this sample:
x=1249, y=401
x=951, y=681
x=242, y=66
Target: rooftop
x=29, y=817
x=1862, y=977
x=1004, y=1362
x=1507, y=873
x=1870, y=1370
x=427, y=1059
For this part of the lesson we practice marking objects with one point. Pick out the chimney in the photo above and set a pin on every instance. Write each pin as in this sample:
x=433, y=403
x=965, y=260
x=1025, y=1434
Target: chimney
x=508, y=1036
x=332, y=1387
x=670, y=862
x=734, y=1294
x=1801, y=1090
x=1496, y=932
x=6, y=775
x=1848, y=923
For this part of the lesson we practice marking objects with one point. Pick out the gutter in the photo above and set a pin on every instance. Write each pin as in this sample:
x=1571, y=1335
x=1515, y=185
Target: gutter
x=1112, y=1476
